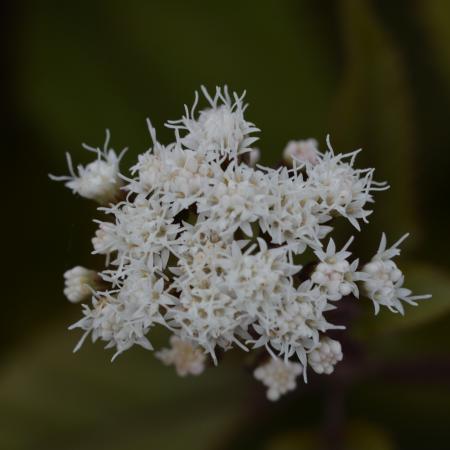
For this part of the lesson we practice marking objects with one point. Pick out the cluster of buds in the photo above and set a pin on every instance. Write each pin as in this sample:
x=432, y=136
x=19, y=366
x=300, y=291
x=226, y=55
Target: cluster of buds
x=201, y=240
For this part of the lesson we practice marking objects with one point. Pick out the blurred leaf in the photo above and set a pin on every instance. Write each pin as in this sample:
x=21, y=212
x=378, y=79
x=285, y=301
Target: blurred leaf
x=295, y=440
x=416, y=414
x=67, y=401
x=92, y=65
x=421, y=279
x=419, y=30
x=78, y=77
x=367, y=436
x=434, y=16
x=373, y=111
x=201, y=49
x=357, y=435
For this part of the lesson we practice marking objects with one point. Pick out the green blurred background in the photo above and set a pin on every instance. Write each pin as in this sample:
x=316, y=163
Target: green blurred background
x=374, y=74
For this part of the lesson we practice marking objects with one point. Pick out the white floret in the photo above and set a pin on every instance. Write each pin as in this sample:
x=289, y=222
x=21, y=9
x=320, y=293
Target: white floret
x=325, y=356
x=341, y=189
x=278, y=376
x=291, y=323
x=218, y=130
x=187, y=358
x=383, y=282
x=301, y=152
x=177, y=176
x=294, y=216
x=235, y=199
x=143, y=230
x=124, y=319
x=334, y=273
x=99, y=180
x=79, y=283
x=105, y=240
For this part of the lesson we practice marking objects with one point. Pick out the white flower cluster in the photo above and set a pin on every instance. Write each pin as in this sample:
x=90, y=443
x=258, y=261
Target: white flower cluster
x=205, y=243
x=383, y=280
x=278, y=376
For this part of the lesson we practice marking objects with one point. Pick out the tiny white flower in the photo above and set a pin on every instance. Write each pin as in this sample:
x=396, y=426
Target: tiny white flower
x=278, y=376
x=187, y=359
x=80, y=283
x=105, y=241
x=220, y=129
x=383, y=282
x=143, y=230
x=301, y=152
x=334, y=273
x=178, y=176
x=294, y=217
x=325, y=356
x=125, y=319
x=235, y=199
x=99, y=180
x=208, y=312
x=341, y=189
x=290, y=323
